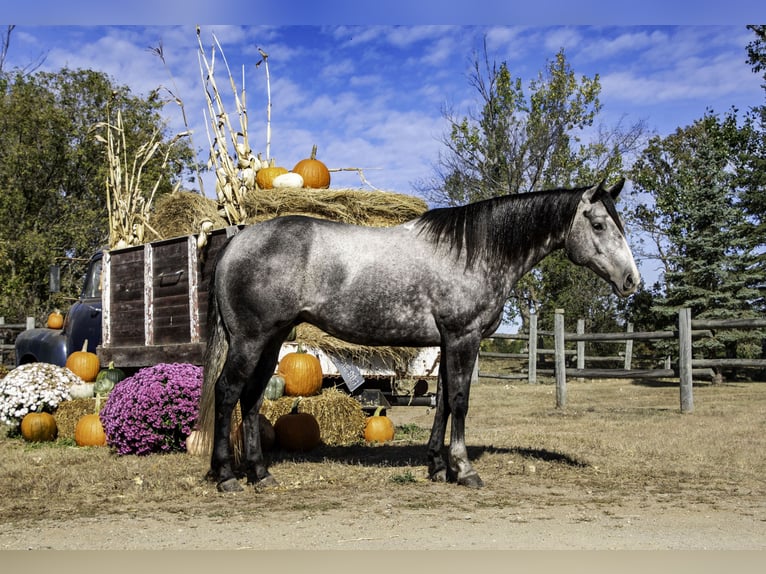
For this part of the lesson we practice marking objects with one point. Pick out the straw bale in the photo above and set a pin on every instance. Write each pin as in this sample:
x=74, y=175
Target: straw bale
x=340, y=417
x=69, y=412
x=372, y=208
x=182, y=213
x=396, y=358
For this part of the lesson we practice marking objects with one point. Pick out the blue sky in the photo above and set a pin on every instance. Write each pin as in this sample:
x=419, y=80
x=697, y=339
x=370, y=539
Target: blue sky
x=367, y=81
x=371, y=96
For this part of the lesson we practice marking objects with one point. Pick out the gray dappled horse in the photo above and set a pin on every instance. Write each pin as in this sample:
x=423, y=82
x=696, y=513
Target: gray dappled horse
x=441, y=279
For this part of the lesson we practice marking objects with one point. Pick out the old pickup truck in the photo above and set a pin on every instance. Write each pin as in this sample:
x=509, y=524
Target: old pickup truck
x=147, y=304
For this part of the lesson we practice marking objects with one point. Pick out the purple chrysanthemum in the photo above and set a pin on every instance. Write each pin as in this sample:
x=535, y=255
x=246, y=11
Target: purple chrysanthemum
x=154, y=410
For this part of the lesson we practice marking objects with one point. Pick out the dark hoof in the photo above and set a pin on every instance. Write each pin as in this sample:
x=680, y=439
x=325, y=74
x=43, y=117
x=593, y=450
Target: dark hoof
x=230, y=485
x=267, y=481
x=439, y=475
x=471, y=480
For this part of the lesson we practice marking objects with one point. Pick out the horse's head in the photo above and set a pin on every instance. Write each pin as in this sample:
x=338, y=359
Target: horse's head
x=596, y=239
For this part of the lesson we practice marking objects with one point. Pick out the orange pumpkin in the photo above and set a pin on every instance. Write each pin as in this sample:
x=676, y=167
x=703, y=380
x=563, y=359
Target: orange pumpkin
x=265, y=176
x=39, y=427
x=314, y=172
x=84, y=364
x=55, y=320
x=296, y=430
x=89, y=431
x=379, y=428
x=302, y=373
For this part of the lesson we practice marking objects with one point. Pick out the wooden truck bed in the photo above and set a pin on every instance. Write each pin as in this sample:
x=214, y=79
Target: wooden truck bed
x=155, y=301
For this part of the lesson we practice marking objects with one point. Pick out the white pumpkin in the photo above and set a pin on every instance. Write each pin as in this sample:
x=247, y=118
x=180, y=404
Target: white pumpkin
x=288, y=179
x=82, y=390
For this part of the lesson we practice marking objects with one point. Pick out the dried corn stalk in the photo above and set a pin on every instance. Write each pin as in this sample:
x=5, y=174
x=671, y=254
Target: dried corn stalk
x=128, y=201
x=235, y=172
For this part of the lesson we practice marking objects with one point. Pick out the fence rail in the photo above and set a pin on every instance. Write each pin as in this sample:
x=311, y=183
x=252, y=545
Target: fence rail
x=687, y=366
x=8, y=332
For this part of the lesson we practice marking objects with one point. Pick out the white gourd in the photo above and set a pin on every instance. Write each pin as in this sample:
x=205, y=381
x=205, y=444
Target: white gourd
x=288, y=179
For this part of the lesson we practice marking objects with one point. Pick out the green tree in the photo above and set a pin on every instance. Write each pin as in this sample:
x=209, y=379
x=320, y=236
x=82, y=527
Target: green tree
x=53, y=174
x=521, y=142
x=694, y=176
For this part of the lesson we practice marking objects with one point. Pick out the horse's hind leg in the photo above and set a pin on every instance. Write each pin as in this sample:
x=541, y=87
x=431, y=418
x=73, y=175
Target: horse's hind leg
x=437, y=467
x=237, y=372
x=250, y=402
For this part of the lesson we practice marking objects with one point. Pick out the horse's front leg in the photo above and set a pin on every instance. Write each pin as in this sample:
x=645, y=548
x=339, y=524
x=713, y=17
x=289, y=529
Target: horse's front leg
x=459, y=362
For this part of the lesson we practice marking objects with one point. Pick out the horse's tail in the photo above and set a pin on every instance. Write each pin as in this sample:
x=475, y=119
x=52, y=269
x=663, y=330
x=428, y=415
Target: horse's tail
x=214, y=359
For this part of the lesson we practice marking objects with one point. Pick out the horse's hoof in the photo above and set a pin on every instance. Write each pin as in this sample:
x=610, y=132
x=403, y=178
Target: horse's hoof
x=471, y=480
x=230, y=485
x=439, y=475
x=267, y=481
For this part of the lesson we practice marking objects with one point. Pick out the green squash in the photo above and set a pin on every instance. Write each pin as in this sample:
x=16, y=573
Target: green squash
x=107, y=378
x=275, y=388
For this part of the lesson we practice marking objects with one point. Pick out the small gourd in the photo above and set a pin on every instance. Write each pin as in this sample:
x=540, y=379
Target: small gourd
x=297, y=431
x=82, y=390
x=39, y=427
x=265, y=176
x=302, y=373
x=288, y=180
x=379, y=428
x=89, y=431
x=84, y=364
x=55, y=320
x=314, y=172
x=107, y=378
x=275, y=388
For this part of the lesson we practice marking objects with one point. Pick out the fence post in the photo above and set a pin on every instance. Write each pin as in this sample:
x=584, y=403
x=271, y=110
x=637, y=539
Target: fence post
x=581, y=346
x=30, y=322
x=629, y=349
x=685, y=359
x=532, y=349
x=475, y=372
x=561, y=367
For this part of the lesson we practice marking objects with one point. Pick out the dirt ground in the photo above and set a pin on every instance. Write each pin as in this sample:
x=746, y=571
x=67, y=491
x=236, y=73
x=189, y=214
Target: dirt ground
x=619, y=468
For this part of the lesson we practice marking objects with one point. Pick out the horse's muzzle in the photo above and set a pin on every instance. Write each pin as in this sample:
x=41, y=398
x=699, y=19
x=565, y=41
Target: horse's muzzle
x=629, y=285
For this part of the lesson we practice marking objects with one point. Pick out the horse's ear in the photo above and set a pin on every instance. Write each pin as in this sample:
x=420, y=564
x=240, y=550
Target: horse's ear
x=615, y=190
x=587, y=196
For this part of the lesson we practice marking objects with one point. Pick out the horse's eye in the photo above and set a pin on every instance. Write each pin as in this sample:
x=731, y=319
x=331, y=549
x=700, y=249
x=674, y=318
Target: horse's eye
x=598, y=226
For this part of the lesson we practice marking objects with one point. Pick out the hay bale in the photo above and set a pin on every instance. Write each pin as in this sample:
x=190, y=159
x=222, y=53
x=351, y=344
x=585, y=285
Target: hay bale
x=182, y=213
x=69, y=412
x=396, y=358
x=340, y=416
x=360, y=207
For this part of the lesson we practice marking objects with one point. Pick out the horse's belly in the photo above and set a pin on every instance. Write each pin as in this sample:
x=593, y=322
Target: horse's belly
x=368, y=323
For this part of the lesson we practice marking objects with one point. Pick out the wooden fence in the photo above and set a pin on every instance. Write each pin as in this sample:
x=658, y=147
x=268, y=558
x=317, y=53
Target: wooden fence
x=8, y=332
x=685, y=370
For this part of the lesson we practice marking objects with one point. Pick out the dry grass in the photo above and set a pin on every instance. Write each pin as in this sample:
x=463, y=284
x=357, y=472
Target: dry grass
x=615, y=440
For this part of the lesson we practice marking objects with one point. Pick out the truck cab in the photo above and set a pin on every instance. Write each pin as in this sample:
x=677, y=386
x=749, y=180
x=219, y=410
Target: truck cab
x=82, y=321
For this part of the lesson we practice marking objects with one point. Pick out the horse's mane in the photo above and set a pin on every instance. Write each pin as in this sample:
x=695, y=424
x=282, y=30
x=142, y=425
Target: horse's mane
x=502, y=227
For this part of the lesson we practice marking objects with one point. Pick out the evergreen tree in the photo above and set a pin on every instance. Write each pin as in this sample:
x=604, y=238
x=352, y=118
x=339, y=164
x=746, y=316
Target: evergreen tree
x=693, y=176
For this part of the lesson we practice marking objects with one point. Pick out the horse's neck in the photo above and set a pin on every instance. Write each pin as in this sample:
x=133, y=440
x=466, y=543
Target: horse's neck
x=532, y=250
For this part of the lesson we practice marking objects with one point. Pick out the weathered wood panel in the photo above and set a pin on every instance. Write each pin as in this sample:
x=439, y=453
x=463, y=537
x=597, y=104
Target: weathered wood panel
x=126, y=290
x=170, y=297
x=158, y=300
